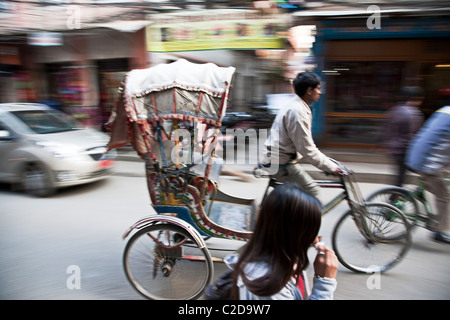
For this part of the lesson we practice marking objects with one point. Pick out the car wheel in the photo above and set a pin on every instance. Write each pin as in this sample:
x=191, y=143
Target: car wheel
x=37, y=181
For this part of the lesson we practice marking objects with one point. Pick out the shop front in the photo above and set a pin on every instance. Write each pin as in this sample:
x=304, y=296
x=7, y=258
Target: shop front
x=82, y=75
x=363, y=71
x=15, y=82
x=111, y=73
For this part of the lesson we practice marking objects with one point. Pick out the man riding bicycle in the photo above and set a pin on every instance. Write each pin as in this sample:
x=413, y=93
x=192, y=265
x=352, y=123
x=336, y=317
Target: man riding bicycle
x=429, y=155
x=291, y=139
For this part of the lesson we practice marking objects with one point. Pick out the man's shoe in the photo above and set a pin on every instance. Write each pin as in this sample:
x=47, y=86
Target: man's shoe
x=441, y=237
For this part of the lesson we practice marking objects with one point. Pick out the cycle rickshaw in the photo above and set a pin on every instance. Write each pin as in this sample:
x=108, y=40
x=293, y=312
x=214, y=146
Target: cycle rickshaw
x=171, y=114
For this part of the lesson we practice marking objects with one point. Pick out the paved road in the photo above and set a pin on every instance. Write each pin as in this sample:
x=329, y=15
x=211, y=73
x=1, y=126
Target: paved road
x=44, y=241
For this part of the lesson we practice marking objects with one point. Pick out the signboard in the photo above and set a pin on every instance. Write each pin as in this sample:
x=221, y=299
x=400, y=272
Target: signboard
x=215, y=29
x=423, y=28
x=45, y=39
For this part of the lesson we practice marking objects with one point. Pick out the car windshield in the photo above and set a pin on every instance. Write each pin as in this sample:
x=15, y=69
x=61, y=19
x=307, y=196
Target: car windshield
x=47, y=121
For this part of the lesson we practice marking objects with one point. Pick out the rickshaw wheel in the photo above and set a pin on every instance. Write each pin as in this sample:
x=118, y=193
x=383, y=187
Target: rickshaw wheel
x=164, y=261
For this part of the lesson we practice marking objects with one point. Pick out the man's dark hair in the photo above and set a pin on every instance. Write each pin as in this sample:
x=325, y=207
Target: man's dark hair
x=305, y=80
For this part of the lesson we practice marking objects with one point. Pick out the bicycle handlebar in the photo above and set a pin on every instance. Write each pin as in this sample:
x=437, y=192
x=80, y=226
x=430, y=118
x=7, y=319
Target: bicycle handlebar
x=346, y=171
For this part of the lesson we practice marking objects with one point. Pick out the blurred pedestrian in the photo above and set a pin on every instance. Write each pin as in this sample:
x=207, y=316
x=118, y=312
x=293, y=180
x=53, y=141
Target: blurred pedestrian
x=276, y=254
x=291, y=138
x=402, y=123
x=429, y=155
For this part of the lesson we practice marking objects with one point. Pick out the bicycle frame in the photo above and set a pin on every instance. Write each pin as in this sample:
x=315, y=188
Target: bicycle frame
x=330, y=205
x=337, y=184
x=419, y=195
x=350, y=193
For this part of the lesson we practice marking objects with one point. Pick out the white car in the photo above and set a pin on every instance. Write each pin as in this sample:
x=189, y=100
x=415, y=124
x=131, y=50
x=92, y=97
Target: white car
x=43, y=149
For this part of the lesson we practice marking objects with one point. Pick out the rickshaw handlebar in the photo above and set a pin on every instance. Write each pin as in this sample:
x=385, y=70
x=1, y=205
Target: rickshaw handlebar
x=346, y=171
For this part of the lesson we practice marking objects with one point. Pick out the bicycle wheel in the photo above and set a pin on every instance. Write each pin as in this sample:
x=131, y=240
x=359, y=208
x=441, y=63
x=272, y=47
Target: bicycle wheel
x=400, y=198
x=373, y=241
x=164, y=262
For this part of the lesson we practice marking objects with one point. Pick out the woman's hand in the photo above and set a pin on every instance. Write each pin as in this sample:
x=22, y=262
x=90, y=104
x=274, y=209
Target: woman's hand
x=326, y=262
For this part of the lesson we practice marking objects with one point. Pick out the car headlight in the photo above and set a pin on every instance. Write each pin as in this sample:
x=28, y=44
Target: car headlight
x=59, y=150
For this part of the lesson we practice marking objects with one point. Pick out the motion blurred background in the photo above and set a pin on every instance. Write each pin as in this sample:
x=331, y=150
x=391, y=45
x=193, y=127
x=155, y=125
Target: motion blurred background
x=73, y=54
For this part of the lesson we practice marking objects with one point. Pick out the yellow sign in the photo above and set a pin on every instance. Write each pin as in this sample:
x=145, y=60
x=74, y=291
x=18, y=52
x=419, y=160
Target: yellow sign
x=215, y=30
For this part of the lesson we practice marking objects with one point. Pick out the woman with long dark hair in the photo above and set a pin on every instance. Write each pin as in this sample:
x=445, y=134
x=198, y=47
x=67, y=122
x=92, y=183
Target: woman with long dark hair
x=276, y=255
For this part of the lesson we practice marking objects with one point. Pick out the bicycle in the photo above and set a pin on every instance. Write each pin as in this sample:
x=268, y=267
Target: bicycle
x=408, y=202
x=381, y=237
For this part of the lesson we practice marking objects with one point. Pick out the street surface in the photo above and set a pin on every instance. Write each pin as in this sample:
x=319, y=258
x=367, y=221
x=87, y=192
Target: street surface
x=46, y=243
